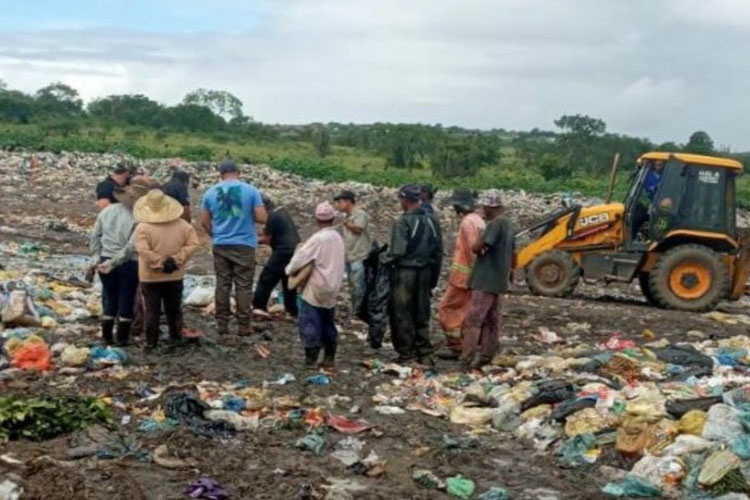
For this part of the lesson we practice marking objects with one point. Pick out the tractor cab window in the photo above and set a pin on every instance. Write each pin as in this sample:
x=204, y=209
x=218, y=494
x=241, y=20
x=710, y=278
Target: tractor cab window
x=691, y=197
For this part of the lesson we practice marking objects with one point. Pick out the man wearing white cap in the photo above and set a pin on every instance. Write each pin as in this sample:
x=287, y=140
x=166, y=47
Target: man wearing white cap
x=325, y=252
x=490, y=279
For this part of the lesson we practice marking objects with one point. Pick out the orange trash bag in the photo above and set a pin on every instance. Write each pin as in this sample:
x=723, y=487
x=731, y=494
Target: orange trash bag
x=32, y=356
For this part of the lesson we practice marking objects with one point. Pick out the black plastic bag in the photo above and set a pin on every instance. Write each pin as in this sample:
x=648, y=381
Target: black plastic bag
x=571, y=406
x=683, y=355
x=550, y=392
x=680, y=407
x=188, y=410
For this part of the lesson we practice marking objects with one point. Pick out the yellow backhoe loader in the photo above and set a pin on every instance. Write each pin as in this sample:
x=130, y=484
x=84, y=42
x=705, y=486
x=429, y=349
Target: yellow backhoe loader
x=675, y=232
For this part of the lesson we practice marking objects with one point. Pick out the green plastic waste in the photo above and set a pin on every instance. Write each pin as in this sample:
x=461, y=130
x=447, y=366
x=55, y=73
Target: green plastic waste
x=460, y=487
x=427, y=479
x=741, y=446
x=574, y=448
x=632, y=487
x=312, y=442
x=495, y=493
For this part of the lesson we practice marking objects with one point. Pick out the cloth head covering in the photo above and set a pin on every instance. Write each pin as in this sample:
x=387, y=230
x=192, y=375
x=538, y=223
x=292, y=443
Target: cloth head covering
x=346, y=195
x=491, y=198
x=157, y=208
x=324, y=212
x=409, y=192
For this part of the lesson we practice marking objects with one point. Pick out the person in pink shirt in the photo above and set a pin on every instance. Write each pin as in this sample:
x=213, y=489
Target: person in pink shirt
x=325, y=251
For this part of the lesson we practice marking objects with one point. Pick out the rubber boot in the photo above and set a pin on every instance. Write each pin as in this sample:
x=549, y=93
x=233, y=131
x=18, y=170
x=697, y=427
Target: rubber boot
x=329, y=356
x=311, y=357
x=108, y=327
x=123, y=333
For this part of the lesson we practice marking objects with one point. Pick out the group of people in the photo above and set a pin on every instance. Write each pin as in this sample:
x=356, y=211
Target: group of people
x=143, y=240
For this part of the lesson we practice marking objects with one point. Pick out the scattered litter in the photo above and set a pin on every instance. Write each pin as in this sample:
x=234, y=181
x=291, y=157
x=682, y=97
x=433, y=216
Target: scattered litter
x=320, y=379
x=208, y=489
x=313, y=442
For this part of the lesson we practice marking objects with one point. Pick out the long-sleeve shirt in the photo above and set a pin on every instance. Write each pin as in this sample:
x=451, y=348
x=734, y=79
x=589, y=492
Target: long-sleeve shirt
x=325, y=249
x=157, y=242
x=469, y=232
x=417, y=241
x=112, y=237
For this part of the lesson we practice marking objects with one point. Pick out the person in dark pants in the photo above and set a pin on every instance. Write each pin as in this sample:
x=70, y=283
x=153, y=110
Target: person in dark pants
x=231, y=209
x=177, y=188
x=165, y=242
x=490, y=279
x=281, y=234
x=113, y=255
x=416, y=254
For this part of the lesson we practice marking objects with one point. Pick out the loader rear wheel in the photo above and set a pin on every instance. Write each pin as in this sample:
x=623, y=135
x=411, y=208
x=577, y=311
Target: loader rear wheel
x=553, y=274
x=689, y=278
x=643, y=280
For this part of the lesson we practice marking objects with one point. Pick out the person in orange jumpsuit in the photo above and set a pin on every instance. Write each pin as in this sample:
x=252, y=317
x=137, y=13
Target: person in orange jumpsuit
x=456, y=298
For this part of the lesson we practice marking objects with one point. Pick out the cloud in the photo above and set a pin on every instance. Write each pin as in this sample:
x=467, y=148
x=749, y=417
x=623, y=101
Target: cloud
x=647, y=68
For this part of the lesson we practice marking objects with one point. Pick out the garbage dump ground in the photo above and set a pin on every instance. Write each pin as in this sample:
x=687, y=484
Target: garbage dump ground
x=591, y=397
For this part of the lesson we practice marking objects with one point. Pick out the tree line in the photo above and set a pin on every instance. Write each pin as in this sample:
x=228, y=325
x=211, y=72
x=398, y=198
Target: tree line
x=581, y=144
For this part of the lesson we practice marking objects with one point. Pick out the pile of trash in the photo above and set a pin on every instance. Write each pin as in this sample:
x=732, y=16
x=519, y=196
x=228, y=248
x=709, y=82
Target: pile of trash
x=75, y=175
x=678, y=413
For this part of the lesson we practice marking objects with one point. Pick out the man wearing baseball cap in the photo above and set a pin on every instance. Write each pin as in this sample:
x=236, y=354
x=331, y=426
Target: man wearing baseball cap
x=490, y=279
x=324, y=251
x=358, y=242
x=231, y=209
x=416, y=253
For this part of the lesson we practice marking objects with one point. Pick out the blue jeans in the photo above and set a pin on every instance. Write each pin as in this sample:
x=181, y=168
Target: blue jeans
x=316, y=326
x=118, y=291
x=357, y=281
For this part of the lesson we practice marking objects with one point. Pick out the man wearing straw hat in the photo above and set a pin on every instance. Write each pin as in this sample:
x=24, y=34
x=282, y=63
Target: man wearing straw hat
x=114, y=257
x=231, y=209
x=165, y=242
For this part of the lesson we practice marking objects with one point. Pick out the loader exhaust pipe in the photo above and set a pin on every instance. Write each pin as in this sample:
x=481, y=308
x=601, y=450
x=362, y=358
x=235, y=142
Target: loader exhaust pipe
x=613, y=177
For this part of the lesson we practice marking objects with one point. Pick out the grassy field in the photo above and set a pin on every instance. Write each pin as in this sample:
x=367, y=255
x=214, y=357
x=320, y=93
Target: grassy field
x=343, y=164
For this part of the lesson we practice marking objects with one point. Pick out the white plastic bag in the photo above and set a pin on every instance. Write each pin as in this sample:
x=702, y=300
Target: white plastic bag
x=200, y=296
x=722, y=423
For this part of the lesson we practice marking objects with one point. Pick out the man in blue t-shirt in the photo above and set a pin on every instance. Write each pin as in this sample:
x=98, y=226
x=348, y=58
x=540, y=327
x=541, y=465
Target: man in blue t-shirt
x=231, y=209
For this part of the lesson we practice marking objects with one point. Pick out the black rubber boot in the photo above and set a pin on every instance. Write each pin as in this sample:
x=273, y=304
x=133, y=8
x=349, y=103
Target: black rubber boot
x=108, y=327
x=311, y=357
x=329, y=356
x=123, y=333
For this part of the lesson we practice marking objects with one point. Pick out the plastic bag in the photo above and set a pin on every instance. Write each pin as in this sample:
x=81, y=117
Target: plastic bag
x=687, y=444
x=73, y=356
x=469, y=415
x=240, y=422
x=636, y=435
x=460, y=487
x=427, y=479
x=588, y=420
x=683, y=355
x=632, y=486
x=495, y=493
x=659, y=471
x=312, y=442
x=506, y=416
x=680, y=407
x=348, y=451
x=346, y=426
x=549, y=392
x=717, y=465
x=737, y=397
x=722, y=423
x=692, y=422
x=571, y=406
x=32, y=356
x=741, y=446
x=200, y=296
x=574, y=449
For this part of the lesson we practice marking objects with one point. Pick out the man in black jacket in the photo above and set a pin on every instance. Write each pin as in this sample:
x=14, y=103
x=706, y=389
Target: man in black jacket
x=416, y=254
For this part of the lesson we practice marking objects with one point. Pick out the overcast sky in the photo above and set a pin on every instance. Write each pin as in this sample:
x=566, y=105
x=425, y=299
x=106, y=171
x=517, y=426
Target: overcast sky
x=650, y=68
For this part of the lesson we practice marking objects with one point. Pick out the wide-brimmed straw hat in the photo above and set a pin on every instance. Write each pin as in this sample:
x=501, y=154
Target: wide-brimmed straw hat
x=157, y=208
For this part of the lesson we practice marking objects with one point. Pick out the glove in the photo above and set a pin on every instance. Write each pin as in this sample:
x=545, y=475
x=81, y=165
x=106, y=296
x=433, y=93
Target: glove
x=170, y=266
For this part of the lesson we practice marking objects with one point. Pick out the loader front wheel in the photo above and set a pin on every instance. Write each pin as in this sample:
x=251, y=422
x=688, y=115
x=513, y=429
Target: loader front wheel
x=553, y=274
x=689, y=278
